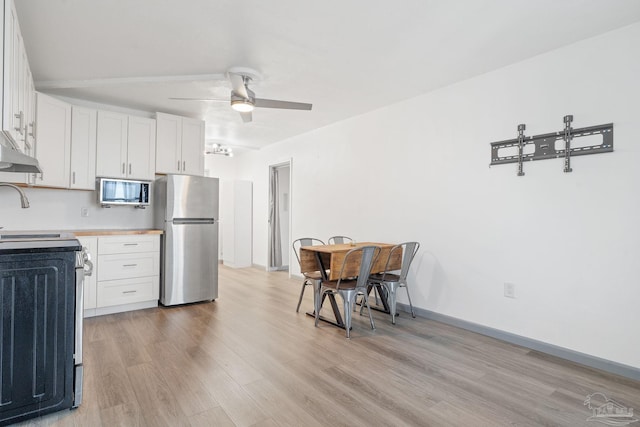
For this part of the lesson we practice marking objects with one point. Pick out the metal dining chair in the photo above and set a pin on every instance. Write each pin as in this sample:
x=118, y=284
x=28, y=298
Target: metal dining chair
x=309, y=278
x=339, y=240
x=349, y=288
x=392, y=281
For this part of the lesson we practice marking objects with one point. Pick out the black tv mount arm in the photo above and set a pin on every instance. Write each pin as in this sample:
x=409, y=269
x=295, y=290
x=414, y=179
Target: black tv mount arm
x=545, y=145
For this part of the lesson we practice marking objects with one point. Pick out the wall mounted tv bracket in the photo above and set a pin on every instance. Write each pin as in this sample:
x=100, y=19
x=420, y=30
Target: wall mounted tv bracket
x=545, y=145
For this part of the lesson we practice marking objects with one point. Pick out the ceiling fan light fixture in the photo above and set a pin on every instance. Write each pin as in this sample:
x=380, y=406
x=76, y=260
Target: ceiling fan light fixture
x=242, y=105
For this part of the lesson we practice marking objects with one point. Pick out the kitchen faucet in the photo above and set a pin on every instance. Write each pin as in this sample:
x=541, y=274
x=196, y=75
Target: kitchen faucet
x=23, y=197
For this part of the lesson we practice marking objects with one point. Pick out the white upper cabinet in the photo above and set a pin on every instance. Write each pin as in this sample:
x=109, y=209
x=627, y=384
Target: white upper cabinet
x=83, y=148
x=53, y=146
x=111, y=149
x=15, y=75
x=141, y=148
x=17, y=93
x=125, y=146
x=168, y=143
x=192, y=146
x=179, y=145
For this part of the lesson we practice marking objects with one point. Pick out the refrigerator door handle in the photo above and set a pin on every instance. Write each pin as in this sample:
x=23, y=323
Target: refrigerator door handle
x=194, y=221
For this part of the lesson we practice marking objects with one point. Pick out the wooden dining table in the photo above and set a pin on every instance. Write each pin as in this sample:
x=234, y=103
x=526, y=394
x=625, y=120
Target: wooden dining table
x=328, y=259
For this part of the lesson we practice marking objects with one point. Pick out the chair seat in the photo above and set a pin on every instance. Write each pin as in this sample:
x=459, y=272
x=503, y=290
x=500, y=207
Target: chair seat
x=313, y=275
x=389, y=277
x=344, y=284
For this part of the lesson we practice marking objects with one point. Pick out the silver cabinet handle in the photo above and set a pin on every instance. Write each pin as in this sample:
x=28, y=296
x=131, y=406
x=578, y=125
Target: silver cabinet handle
x=184, y=166
x=129, y=265
x=32, y=125
x=129, y=168
x=123, y=168
x=178, y=165
x=20, y=116
x=73, y=177
x=130, y=244
x=129, y=292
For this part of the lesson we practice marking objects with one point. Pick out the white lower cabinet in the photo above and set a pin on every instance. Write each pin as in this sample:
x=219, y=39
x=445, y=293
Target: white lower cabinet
x=127, y=291
x=127, y=274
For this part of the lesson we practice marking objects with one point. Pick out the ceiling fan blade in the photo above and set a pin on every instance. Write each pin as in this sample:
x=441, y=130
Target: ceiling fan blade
x=273, y=103
x=246, y=117
x=200, y=99
x=238, y=86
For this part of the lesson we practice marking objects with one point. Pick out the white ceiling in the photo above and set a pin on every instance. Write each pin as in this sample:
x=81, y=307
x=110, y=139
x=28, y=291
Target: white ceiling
x=346, y=57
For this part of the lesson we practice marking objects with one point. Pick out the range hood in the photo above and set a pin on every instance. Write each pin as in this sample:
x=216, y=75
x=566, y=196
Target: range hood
x=12, y=160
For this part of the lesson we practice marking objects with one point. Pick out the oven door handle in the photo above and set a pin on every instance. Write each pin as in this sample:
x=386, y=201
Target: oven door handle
x=79, y=314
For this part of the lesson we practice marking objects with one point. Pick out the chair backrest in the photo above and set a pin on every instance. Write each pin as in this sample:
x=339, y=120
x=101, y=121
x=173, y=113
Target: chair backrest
x=305, y=241
x=409, y=251
x=368, y=256
x=338, y=240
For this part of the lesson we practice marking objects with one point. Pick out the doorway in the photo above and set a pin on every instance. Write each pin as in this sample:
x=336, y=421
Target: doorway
x=279, y=216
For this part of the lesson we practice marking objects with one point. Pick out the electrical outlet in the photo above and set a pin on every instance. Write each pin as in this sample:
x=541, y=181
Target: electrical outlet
x=84, y=212
x=509, y=290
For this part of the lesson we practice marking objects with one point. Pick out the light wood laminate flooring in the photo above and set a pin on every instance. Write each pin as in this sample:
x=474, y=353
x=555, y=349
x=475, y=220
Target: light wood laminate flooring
x=248, y=359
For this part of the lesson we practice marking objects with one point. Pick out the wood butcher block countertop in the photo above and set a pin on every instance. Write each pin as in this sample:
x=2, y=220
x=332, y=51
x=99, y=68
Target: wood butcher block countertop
x=113, y=232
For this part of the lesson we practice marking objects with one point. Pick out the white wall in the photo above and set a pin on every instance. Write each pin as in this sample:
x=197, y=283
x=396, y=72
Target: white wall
x=60, y=210
x=218, y=166
x=418, y=170
x=224, y=168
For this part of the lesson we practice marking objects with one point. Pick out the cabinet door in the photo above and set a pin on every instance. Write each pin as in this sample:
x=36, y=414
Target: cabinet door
x=53, y=151
x=168, y=143
x=141, y=153
x=91, y=243
x=83, y=148
x=29, y=111
x=111, y=144
x=11, y=72
x=192, y=146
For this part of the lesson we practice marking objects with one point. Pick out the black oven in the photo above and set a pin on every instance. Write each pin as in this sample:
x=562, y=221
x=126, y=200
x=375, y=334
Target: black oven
x=41, y=283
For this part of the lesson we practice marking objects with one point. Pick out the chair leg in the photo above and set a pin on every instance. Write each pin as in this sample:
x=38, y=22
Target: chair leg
x=391, y=290
x=304, y=285
x=373, y=325
x=347, y=313
x=364, y=297
x=413, y=314
x=317, y=306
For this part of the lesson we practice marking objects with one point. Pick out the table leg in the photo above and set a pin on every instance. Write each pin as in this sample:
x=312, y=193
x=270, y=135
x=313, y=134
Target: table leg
x=383, y=298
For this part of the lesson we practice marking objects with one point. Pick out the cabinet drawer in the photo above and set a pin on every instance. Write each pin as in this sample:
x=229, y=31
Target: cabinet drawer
x=125, y=266
x=127, y=291
x=128, y=244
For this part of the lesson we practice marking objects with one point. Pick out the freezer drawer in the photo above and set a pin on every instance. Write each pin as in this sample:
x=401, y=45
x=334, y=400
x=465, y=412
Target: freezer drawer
x=190, y=263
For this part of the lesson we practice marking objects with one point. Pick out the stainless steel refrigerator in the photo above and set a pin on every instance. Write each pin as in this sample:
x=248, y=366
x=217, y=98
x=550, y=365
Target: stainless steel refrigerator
x=186, y=208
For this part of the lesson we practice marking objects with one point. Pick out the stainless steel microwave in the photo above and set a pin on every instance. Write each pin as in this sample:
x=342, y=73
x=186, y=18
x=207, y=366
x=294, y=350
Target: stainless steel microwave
x=123, y=192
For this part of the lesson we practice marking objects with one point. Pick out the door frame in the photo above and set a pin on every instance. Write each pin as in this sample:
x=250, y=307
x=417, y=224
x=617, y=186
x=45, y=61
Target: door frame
x=286, y=256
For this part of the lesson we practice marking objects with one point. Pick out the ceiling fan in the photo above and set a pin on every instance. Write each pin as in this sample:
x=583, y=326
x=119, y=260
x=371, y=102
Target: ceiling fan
x=243, y=100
